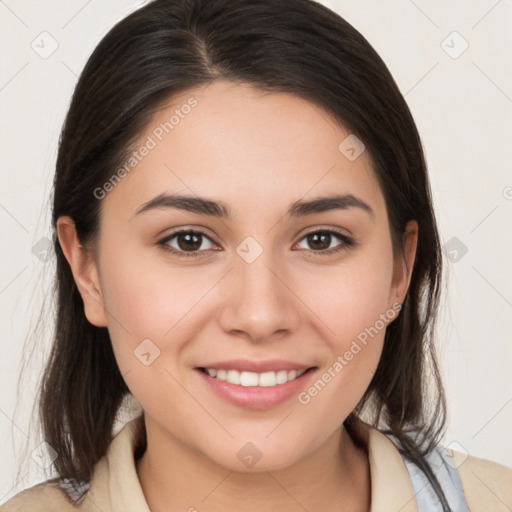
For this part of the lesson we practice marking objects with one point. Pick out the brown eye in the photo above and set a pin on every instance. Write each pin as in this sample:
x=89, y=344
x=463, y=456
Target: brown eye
x=324, y=241
x=187, y=241
x=319, y=241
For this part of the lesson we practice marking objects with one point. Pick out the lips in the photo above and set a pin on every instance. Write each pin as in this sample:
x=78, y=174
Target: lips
x=255, y=384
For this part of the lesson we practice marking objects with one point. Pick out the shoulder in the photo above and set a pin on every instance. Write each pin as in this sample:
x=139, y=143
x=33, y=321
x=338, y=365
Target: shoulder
x=44, y=497
x=487, y=485
x=113, y=475
x=469, y=483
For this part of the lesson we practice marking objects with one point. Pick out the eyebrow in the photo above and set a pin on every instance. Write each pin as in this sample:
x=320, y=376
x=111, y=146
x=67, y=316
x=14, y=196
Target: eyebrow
x=218, y=209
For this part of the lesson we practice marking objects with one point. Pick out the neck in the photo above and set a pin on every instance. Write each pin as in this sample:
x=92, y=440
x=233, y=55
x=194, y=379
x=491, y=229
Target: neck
x=336, y=476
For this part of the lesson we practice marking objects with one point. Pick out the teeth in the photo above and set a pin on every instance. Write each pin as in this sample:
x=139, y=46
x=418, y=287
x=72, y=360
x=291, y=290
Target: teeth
x=266, y=379
x=244, y=378
x=281, y=376
x=234, y=377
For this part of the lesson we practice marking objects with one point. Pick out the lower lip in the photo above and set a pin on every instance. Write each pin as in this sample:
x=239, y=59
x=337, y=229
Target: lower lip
x=256, y=397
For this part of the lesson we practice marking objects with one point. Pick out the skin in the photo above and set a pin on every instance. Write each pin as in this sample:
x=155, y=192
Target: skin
x=258, y=153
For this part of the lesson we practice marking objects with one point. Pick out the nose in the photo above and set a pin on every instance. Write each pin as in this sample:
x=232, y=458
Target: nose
x=260, y=303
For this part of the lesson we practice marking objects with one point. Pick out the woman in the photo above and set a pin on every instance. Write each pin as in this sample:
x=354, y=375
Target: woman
x=246, y=243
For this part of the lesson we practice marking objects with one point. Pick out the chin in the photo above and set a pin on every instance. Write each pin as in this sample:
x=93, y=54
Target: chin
x=258, y=456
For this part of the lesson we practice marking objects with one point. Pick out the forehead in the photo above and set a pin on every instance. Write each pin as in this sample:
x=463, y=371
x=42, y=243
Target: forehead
x=250, y=148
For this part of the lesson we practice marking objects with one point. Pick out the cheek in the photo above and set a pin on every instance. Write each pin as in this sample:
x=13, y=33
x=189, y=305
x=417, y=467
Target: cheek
x=154, y=311
x=350, y=297
x=147, y=306
x=352, y=305
x=144, y=294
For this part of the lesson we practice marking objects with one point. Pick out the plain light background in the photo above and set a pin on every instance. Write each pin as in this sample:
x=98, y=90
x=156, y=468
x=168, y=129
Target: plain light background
x=451, y=60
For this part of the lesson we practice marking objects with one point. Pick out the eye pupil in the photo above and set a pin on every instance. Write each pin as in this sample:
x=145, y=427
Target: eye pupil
x=323, y=239
x=189, y=241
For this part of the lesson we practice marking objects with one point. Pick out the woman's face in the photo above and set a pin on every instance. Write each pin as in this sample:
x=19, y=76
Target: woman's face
x=289, y=266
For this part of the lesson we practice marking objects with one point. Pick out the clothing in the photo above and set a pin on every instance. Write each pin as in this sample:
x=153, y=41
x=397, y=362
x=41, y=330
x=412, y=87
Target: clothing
x=115, y=486
x=446, y=473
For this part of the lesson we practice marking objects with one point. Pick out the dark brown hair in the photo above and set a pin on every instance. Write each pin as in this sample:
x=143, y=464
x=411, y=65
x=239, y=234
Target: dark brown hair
x=294, y=46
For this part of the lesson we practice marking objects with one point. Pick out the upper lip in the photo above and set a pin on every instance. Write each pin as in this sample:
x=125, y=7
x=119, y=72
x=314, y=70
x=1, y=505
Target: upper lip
x=246, y=365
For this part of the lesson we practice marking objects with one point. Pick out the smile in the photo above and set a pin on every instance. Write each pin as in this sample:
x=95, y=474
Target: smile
x=253, y=379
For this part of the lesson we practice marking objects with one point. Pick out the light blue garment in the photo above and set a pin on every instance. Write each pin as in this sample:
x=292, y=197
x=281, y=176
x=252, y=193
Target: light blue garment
x=446, y=473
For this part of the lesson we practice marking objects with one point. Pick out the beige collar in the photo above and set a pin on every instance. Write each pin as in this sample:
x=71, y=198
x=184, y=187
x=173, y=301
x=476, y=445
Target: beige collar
x=391, y=486
x=115, y=485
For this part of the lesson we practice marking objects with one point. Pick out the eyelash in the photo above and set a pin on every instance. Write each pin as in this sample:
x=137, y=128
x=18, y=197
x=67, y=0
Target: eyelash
x=346, y=244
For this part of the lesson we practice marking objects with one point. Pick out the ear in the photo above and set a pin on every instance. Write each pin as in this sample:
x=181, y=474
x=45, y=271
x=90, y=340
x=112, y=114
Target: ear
x=404, y=263
x=85, y=272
